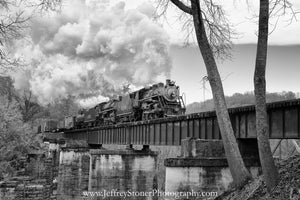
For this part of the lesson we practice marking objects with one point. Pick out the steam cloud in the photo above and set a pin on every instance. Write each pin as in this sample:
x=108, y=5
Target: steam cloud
x=90, y=49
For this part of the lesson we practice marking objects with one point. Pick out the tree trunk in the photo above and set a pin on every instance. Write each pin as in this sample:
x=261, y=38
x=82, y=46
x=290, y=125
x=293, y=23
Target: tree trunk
x=262, y=129
x=236, y=164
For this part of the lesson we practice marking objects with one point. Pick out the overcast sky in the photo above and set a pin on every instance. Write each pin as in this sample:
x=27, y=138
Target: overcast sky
x=93, y=47
x=240, y=16
x=283, y=65
x=283, y=70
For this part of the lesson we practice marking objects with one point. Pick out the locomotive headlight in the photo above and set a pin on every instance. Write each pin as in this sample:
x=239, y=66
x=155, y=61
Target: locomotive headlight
x=171, y=93
x=174, y=93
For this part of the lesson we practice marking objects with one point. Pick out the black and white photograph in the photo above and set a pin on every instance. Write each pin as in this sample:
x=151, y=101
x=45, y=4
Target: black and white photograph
x=149, y=100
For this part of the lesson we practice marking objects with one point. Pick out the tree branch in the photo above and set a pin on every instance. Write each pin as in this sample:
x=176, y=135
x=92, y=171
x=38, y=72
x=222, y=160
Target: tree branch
x=182, y=6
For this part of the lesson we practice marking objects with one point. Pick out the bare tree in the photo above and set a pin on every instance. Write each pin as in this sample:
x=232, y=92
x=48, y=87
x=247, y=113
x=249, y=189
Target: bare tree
x=213, y=38
x=268, y=166
x=11, y=27
x=28, y=107
x=14, y=18
x=267, y=8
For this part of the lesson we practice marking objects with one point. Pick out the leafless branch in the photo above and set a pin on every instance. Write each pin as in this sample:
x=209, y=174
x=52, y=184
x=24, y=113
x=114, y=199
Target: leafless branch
x=7, y=63
x=278, y=9
x=14, y=21
x=12, y=26
x=187, y=27
x=182, y=6
x=43, y=5
x=161, y=7
x=281, y=8
x=185, y=18
x=274, y=26
x=218, y=28
x=53, y=5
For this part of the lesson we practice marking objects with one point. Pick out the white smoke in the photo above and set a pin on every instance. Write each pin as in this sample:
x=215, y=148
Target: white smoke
x=90, y=49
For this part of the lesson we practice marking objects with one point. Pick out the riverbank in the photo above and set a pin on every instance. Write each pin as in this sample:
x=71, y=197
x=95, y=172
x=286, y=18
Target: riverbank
x=288, y=187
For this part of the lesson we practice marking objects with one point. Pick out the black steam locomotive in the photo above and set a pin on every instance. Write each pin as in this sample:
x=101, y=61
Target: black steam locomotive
x=157, y=101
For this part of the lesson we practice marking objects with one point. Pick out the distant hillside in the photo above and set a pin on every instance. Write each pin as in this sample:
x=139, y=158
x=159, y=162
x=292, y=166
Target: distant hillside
x=237, y=100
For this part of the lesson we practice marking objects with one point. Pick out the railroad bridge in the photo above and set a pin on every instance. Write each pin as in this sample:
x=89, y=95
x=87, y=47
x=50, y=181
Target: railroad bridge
x=186, y=152
x=283, y=119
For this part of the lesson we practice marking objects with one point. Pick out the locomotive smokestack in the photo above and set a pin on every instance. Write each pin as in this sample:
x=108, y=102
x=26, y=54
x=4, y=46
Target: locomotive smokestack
x=168, y=82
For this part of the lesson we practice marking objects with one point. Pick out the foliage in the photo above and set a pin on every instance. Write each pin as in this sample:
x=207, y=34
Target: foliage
x=28, y=107
x=31, y=110
x=19, y=118
x=239, y=99
x=16, y=137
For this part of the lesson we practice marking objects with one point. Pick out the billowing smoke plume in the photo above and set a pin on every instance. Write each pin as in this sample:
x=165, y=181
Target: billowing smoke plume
x=90, y=50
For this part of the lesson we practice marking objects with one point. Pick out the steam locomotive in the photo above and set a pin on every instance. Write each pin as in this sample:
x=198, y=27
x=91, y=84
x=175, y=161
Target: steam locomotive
x=157, y=101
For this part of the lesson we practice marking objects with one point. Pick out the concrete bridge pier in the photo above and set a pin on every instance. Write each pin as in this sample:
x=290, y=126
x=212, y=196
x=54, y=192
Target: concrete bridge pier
x=122, y=170
x=203, y=167
x=106, y=170
x=73, y=173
